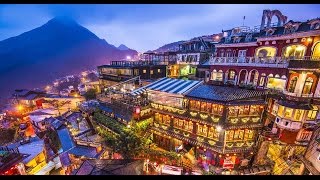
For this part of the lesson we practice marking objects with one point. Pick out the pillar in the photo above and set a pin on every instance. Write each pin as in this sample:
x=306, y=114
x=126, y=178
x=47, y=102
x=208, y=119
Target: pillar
x=300, y=83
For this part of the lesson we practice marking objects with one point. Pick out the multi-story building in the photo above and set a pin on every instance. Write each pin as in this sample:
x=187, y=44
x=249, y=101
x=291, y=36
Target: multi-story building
x=219, y=124
x=124, y=70
x=11, y=161
x=191, y=53
x=311, y=159
x=168, y=57
x=284, y=58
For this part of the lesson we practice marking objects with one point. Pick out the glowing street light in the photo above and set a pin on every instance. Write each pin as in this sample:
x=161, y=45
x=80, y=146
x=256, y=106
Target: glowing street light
x=19, y=107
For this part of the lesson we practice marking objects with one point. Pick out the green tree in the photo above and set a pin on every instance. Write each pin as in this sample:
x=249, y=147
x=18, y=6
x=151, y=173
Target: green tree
x=90, y=94
x=130, y=141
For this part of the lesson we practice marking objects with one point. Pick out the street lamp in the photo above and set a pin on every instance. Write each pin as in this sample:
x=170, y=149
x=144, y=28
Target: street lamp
x=19, y=107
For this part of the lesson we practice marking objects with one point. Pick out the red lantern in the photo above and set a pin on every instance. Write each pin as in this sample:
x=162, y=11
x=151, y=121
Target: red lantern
x=137, y=110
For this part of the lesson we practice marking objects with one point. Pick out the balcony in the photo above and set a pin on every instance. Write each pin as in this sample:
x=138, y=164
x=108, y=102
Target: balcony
x=306, y=62
x=294, y=96
x=275, y=62
x=288, y=124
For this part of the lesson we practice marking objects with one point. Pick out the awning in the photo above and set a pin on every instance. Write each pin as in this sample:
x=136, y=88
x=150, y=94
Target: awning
x=169, y=85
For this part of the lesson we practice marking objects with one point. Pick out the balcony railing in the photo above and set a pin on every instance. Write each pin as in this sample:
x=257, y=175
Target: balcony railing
x=294, y=96
x=281, y=62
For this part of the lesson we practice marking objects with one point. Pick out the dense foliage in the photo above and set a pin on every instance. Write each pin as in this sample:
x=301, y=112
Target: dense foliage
x=130, y=141
x=7, y=135
x=90, y=94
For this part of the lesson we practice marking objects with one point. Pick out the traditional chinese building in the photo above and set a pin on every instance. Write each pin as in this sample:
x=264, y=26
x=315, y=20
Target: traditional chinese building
x=219, y=124
x=281, y=57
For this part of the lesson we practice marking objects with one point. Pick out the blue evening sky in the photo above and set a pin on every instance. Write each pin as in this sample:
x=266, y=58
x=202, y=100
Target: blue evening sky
x=146, y=27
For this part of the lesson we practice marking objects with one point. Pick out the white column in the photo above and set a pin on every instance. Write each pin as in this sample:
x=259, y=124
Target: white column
x=300, y=83
x=317, y=92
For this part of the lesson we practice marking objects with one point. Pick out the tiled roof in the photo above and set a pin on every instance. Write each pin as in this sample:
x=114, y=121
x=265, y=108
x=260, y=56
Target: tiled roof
x=86, y=151
x=65, y=139
x=222, y=93
x=29, y=97
x=33, y=148
x=111, y=167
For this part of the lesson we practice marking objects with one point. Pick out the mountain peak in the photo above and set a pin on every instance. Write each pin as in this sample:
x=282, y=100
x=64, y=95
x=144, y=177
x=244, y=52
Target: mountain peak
x=123, y=47
x=65, y=20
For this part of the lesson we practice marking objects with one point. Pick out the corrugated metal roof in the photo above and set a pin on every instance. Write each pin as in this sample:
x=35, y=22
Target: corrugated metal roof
x=169, y=85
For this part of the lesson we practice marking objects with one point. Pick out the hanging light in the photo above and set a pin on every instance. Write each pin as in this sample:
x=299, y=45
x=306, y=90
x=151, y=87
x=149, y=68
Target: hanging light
x=219, y=128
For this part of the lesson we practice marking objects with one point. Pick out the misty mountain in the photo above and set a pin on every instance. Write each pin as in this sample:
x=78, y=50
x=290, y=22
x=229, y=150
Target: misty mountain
x=58, y=48
x=169, y=47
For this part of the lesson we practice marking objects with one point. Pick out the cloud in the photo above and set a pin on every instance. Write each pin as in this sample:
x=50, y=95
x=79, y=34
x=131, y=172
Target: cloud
x=16, y=19
x=146, y=27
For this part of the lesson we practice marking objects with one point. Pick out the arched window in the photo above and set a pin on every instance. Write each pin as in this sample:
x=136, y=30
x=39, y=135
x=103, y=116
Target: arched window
x=316, y=52
x=234, y=53
x=292, y=84
x=214, y=75
x=222, y=53
x=294, y=51
x=265, y=52
x=232, y=74
x=307, y=86
x=228, y=53
x=220, y=75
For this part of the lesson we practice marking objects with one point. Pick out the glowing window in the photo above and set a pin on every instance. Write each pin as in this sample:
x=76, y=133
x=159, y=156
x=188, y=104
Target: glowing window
x=294, y=51
x=312, y=115
x=232, y=74
x=261, y=83
x=248, y=134
x=265, y=52
x=316, y=51
x=292, y=84
x=307, y=86
x=298, y=114
x=280, y=111
x=216, y=76
x=276, y=83
x=144, y=71
x=288, y=113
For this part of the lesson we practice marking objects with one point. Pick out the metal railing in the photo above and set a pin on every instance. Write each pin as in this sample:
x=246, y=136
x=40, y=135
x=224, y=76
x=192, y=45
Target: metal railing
x=249, y=61
x=297, y=95
x=260, y=61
